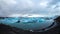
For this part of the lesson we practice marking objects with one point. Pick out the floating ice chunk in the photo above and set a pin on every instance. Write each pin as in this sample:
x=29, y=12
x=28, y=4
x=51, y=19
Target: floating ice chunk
x=9, y=20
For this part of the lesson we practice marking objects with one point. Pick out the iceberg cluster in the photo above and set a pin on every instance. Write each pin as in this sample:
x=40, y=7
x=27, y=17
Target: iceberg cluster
x=22, y=20
x=28, y=23
x=9, y=20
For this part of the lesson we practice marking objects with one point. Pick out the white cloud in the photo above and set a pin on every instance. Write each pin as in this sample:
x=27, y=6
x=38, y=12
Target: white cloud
x=43, y=4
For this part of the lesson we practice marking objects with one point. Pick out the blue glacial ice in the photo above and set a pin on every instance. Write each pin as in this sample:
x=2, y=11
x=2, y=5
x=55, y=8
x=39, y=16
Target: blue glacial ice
x=27, y=23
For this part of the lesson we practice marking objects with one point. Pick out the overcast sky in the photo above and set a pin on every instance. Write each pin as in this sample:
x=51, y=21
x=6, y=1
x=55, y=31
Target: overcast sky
x=42, y=7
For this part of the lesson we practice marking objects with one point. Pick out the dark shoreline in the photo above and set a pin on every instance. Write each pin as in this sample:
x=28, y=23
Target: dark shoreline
x=5, y=29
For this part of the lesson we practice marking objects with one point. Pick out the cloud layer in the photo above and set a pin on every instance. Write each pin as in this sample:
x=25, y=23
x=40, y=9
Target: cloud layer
x=42, y=7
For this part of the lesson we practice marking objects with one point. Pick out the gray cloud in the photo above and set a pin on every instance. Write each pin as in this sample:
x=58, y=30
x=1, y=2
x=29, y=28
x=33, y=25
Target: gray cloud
x=43, y=7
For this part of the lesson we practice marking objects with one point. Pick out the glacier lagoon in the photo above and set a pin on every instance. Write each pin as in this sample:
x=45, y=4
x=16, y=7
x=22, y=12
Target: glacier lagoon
x=29, y=23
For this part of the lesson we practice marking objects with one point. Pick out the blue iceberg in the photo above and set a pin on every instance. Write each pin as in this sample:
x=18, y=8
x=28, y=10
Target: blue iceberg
x=28, y=23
